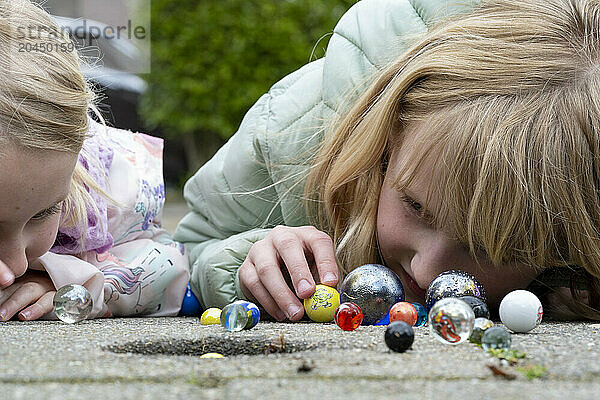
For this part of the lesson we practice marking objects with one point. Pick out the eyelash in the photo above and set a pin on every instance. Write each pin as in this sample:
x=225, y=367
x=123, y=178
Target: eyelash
x=415, y=207
x=48, y=212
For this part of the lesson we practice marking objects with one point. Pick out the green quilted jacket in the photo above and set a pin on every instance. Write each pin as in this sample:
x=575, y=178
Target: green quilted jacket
x=255, y=181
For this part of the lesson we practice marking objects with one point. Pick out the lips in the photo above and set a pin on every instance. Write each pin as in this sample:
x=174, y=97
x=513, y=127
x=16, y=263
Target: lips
x=412, y=285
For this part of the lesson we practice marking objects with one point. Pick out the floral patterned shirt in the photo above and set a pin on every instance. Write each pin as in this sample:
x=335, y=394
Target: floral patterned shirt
x=130, y=265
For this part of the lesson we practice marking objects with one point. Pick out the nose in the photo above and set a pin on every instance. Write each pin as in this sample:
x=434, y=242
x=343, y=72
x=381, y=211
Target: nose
x=12, y=253
x=437, y=254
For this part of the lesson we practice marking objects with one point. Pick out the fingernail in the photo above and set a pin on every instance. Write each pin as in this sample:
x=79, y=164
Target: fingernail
x=292, y=310
x=5, y=278
x=304, y=286
x=25, y=314
x=330, y=277
x=3, y=314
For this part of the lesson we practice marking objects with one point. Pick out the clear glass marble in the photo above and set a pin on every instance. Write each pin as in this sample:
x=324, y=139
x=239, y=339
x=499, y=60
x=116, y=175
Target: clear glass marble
x=72, y=303
x=479, y=327
x=496, y=337
x=234, y=317
x=451, y=321
x=253, y=313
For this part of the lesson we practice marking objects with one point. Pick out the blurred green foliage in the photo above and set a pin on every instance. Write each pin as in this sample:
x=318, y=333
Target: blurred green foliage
x=212, y=59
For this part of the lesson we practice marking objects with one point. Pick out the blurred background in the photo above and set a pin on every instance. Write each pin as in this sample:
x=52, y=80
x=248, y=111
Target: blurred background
x=206, y=63
x=199, y=67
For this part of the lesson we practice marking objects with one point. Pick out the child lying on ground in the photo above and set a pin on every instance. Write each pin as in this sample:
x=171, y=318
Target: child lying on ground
x=473, y=146
x=80, y=202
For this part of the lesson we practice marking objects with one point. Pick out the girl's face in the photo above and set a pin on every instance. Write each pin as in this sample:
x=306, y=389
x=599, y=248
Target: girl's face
x=418, y=252
x=33, y=185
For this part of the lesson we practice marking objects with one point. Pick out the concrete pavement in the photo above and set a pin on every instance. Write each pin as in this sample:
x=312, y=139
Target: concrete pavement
x=158, y=358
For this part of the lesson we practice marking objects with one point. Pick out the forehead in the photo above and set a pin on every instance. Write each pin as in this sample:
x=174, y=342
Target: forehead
x=414, y=162
x=31, y=181
x=418, y=167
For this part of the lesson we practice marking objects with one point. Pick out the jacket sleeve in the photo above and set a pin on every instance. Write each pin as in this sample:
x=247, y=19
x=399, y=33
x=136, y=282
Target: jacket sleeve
x=226, y=210
x=241, y=193
x=233, y=198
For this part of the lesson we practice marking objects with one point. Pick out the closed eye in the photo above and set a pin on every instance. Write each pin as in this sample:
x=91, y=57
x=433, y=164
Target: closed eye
x=416, y=208
x=48, y=212
x=413, y=204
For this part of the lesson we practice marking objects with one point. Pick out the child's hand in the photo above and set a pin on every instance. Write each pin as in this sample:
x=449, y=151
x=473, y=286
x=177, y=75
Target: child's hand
x=6, y=276
x=261, y=277
x=33, y=297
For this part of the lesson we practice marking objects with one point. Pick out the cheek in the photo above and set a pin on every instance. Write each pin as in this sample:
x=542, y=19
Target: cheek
x=41, y=237
x=394, y=228
x=500, y=281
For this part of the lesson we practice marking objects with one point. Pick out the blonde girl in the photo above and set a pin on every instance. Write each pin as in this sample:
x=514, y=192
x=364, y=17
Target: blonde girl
x=476, y=148
x=80, y=202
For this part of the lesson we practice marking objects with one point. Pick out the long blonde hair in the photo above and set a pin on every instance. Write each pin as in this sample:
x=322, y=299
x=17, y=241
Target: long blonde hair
x=44, y=99
x=509, y=96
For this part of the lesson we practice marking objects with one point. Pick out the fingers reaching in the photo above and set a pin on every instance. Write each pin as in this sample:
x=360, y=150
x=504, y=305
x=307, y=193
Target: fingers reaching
x=323, y=253
x=285, y=252
x=264, y=257
x=6, y=276
x=40, y=308
x=254, y=290
x=290, y=248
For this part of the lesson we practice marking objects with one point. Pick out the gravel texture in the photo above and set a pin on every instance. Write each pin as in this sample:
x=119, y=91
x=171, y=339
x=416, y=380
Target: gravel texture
x=159, y=358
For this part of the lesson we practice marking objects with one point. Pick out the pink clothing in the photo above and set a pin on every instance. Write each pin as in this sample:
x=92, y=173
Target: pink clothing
x=130, y=265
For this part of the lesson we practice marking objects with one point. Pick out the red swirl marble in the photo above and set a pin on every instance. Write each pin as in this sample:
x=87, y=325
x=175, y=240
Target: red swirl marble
x=348, y=316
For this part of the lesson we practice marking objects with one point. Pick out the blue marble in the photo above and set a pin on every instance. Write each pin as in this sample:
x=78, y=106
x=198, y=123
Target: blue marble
x=253, y=313
x=421, y=314
x=190, y=307
x=384, y=321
